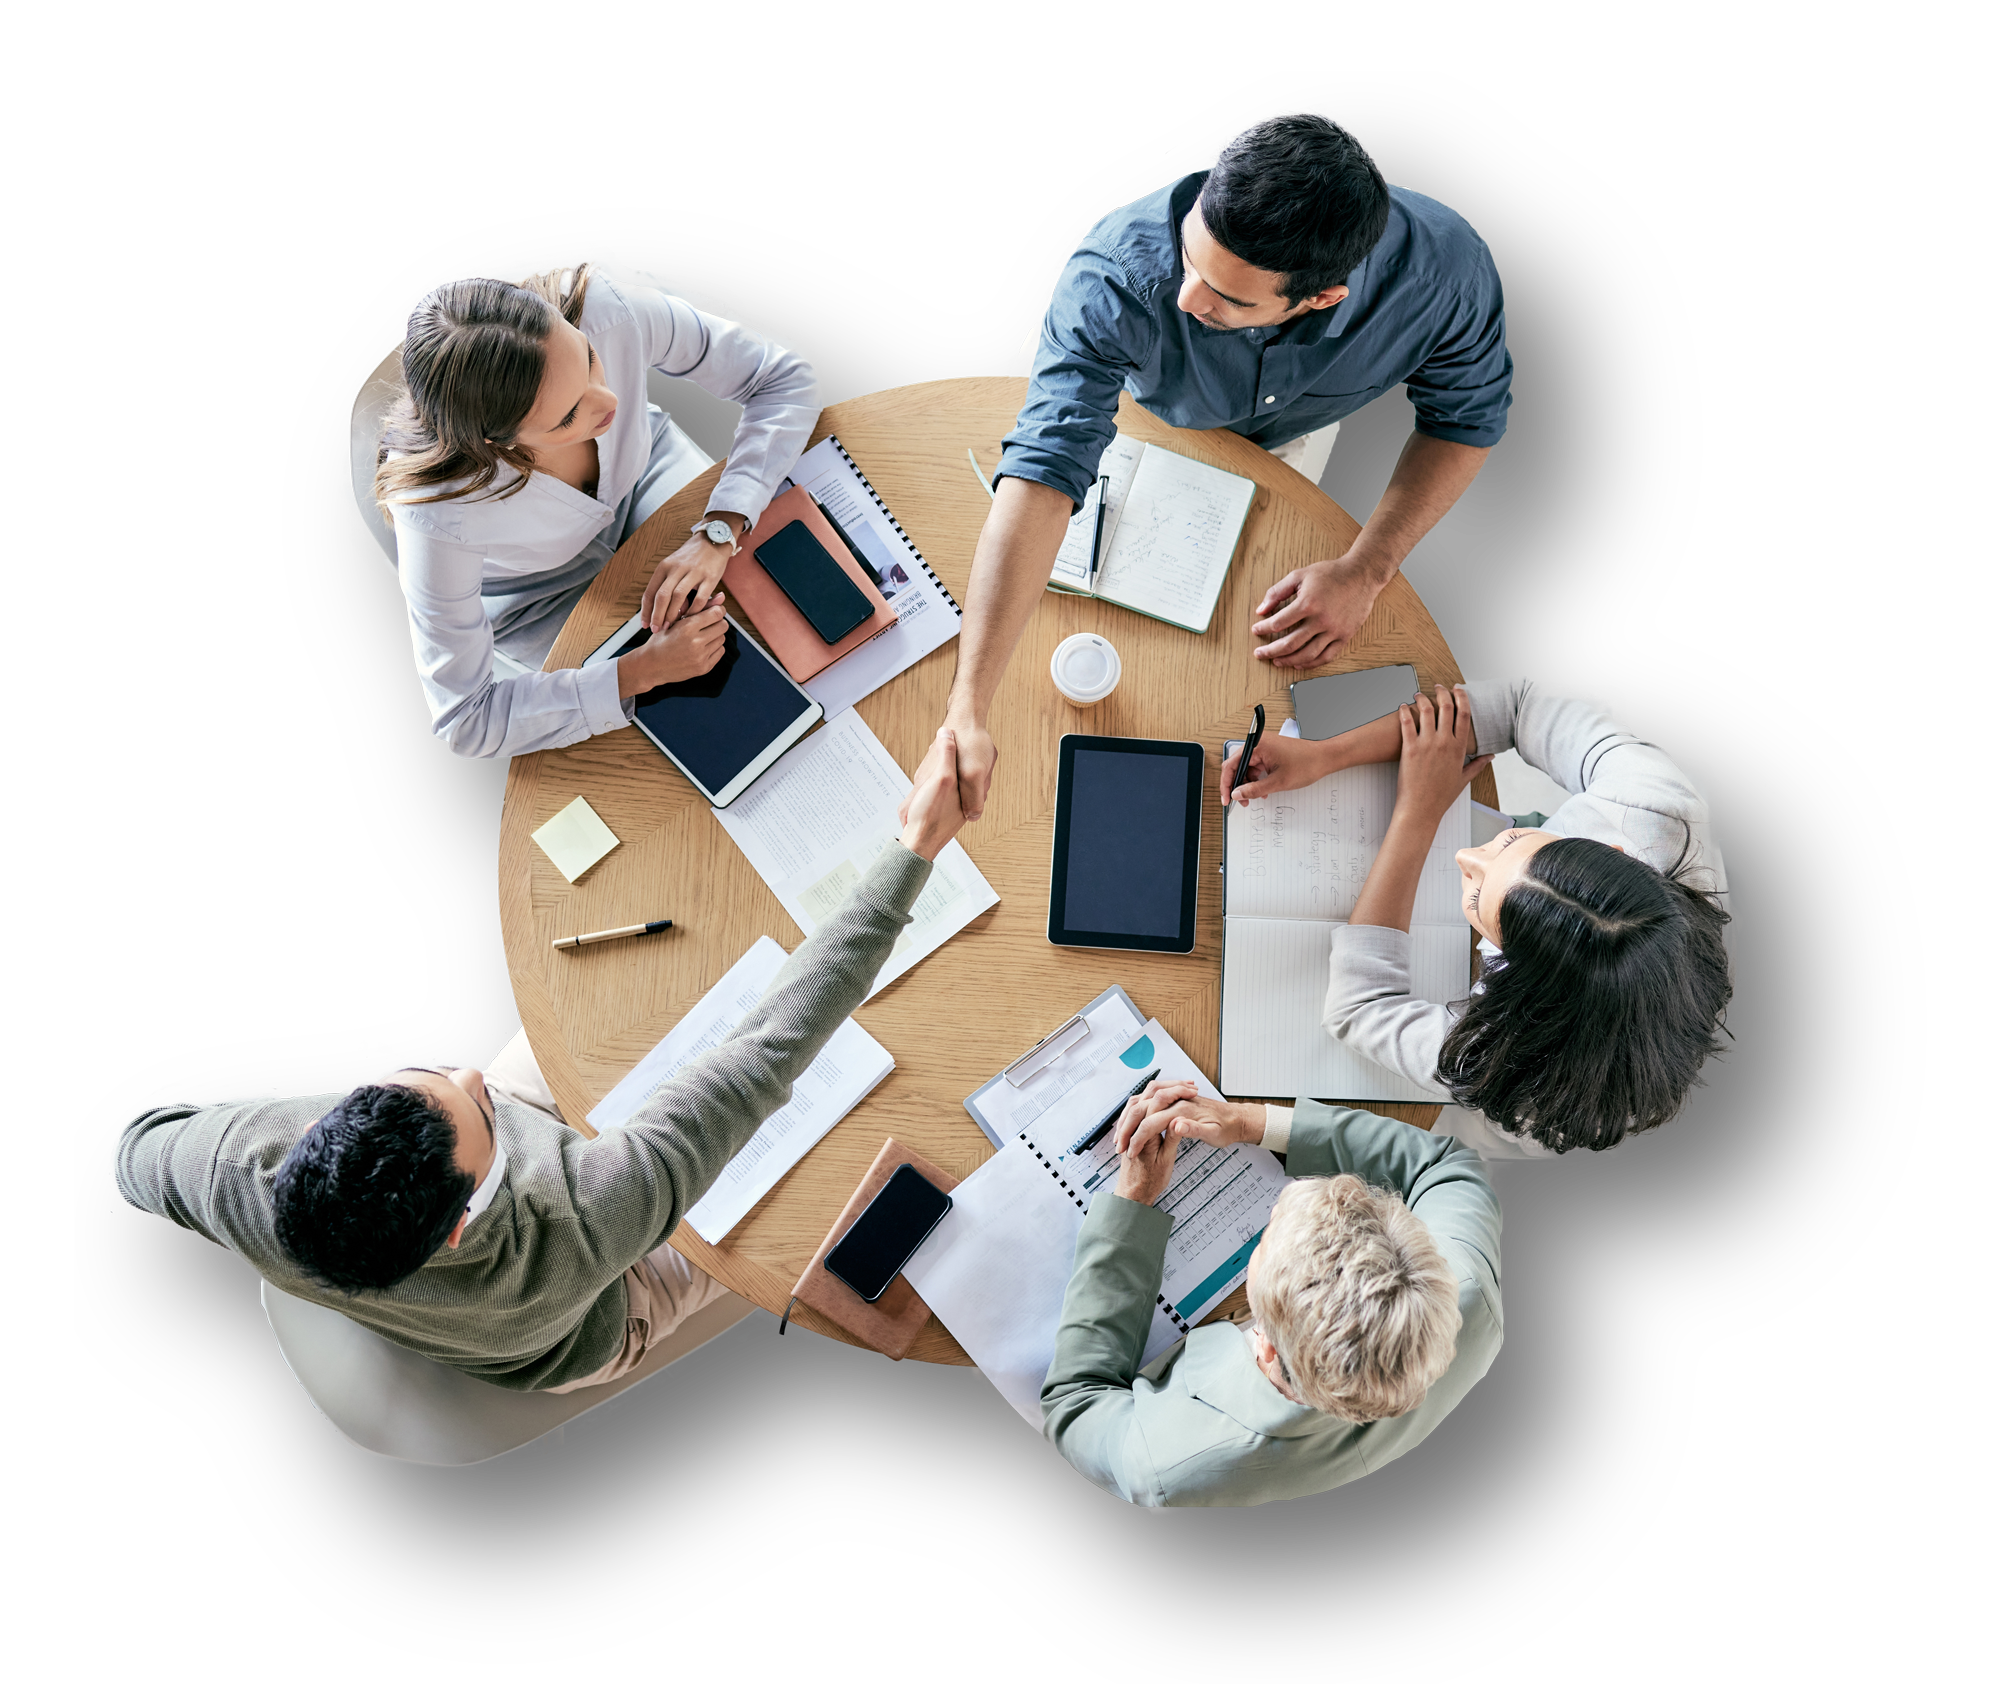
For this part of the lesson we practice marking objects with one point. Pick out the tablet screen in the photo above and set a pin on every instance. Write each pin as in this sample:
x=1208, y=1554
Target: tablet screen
x=717, y=724
x=1128, y=842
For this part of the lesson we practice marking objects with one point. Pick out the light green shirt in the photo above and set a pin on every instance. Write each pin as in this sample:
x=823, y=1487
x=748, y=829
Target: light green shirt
x=1203, y=1425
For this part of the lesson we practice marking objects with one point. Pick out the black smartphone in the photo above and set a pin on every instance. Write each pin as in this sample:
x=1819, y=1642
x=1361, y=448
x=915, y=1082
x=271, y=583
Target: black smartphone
x=819, y=587
x=1344, y=701
x=887, y=1233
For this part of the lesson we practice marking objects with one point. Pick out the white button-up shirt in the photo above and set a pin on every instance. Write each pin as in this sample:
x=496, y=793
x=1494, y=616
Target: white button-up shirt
x=446, y=550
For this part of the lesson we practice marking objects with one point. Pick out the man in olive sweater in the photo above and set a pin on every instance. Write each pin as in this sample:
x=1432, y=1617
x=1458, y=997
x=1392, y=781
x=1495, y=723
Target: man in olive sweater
x=1375, y=1292
x=481, y=1232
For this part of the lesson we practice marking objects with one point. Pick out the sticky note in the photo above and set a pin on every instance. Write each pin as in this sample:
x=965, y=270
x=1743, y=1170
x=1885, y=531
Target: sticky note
x=576, y=839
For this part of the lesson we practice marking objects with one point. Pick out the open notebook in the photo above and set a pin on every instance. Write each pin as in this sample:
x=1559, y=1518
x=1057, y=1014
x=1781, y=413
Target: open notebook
x=1293, y=866
x=1171, y=525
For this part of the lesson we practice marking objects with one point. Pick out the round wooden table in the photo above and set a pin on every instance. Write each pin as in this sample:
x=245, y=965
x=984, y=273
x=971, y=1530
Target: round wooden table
x=996, y=987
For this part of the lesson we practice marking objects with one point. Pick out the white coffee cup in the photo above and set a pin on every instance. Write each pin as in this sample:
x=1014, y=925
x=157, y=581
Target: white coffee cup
x=1085, y=668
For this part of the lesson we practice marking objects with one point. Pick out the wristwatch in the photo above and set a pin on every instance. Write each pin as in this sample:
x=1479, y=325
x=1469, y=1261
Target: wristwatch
x=716, y=532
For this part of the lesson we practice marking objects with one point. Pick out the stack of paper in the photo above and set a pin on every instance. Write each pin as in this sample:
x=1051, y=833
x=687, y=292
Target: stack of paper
x=926, y=616
x=849, y=1068
x=996, y=1269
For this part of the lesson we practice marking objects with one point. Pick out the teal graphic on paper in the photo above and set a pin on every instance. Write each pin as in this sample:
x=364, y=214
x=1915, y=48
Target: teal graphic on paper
x=1136, y=1055
x=1224, y=1276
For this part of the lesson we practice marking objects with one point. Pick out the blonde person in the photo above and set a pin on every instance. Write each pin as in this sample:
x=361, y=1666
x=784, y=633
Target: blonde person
x=523, y=453
x=1374, y=1297
x=1605, y=977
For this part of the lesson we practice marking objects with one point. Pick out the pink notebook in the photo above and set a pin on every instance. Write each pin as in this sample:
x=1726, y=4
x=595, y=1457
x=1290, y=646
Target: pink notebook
x=788, y=632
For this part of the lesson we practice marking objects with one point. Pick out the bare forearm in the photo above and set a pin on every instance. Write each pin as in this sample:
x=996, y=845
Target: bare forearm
x=1431, y=475
x=1389, y=896
x=1010, y=570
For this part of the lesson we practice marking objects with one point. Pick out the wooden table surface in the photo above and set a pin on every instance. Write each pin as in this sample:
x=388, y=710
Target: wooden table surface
x=996, y=987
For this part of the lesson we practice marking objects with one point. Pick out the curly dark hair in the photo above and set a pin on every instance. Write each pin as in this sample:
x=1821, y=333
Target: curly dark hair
x=371, y=1190
x=1606, y=1000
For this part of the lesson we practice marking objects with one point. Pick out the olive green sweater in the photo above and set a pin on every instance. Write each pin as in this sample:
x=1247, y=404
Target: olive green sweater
x=534, y=1296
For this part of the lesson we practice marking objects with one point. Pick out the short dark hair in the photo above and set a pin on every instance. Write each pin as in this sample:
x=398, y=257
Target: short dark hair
x=1595, y=1020
x=1296, y=196
x=371, y=1190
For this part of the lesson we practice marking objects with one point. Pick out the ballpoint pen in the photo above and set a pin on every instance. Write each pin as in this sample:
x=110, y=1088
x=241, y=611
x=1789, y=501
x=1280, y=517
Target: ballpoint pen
x=651, y=929
x=1084, y=1142
x=1097, y=535
x=1249, y=748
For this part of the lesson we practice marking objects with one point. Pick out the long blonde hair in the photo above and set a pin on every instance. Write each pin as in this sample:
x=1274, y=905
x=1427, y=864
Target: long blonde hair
x=472, y=363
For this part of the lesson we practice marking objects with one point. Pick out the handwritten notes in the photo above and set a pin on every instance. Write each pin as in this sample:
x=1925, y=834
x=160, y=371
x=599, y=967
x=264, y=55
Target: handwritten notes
x=1171, y=525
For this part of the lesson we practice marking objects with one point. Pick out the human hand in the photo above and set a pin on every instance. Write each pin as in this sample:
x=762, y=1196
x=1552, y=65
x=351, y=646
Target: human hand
x=683, y=580
x=1148, y=1164
x=1437, y=740
x=1182, y=1111
x=1279, y=763
x=931, y=813
x=687, y=649
x=977, y=757
x=1313, y=612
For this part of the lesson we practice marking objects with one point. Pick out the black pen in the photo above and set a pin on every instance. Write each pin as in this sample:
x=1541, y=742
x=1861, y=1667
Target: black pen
x=1097, y=536
x=1249, y=748
x=1084, y=1142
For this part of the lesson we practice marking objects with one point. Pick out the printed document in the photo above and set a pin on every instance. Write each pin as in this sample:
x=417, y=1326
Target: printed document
x=850, y=1066
x=813, y=824
x=996, y=1269
x=927, y=618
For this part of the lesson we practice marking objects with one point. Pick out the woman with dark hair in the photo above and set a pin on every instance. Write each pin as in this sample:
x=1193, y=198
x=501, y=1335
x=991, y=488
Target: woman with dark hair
x=1604, y=977
x=523, y=452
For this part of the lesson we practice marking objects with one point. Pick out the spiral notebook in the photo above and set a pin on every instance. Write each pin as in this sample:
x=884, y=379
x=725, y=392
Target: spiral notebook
x=927, y=616
x=996, y=1269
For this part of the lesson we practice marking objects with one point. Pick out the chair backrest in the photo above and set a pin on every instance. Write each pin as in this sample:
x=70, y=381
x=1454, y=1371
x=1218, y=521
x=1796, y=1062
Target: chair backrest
x=364, y=435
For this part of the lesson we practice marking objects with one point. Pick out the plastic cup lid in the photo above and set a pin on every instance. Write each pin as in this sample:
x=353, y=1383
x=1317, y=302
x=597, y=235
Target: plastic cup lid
x=1085, y=666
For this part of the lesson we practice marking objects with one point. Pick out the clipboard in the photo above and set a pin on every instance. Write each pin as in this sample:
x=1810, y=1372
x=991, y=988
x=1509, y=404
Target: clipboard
x=1060, y=1040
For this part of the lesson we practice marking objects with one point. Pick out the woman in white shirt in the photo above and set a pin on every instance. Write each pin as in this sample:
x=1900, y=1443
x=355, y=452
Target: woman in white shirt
x=523, y=453
x=1605, y=975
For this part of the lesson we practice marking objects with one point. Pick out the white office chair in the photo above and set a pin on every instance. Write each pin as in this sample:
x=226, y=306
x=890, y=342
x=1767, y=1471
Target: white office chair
x=396, y=1403
x=365, y=433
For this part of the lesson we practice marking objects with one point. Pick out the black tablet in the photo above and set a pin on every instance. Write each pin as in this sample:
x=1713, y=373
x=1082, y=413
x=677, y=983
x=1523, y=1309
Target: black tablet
x=1128, y=843
x=725, y=728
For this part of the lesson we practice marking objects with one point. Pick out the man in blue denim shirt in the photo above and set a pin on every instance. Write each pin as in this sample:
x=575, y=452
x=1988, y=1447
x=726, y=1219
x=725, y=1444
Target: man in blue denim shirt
x=1272, y=295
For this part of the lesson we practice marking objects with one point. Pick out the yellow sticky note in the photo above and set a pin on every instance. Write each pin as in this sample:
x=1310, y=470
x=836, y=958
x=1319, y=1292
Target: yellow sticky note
x=576, y=839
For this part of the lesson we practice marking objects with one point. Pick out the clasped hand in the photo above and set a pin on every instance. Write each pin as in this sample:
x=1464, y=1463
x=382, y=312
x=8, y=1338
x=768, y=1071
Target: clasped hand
x=1158, y=1120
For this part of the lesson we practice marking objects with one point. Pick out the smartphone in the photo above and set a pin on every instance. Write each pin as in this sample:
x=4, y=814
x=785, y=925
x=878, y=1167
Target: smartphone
x=885, y=1235
x=1341, y=701
x=819, y=587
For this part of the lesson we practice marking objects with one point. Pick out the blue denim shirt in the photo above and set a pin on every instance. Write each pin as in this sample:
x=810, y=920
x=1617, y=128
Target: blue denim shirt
x=1424, y=308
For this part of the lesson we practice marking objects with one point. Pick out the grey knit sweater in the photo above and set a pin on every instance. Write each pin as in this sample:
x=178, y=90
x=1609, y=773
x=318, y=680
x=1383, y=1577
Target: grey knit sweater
x=534, y=1296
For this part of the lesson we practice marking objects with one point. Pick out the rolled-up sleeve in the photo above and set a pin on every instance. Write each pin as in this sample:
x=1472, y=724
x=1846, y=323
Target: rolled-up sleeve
x=475, y=713
x=1463, y=389
x=1370, y=1006
x=1097, y=331
x=777, y=388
